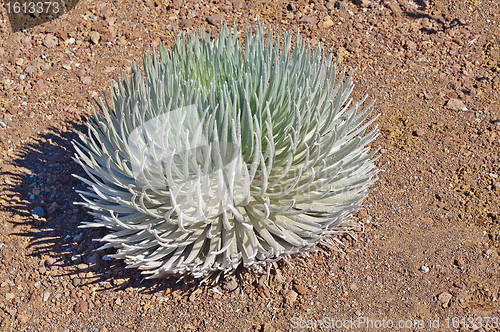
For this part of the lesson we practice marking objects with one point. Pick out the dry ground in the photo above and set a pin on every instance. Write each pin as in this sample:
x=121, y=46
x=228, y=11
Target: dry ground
x=428, y=256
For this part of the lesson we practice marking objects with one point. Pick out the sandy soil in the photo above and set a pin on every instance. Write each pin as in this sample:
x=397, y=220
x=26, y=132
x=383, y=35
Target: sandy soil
x=428, y=256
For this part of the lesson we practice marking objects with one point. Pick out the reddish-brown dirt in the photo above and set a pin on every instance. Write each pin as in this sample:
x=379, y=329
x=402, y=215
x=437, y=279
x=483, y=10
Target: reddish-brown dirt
x=428, y=257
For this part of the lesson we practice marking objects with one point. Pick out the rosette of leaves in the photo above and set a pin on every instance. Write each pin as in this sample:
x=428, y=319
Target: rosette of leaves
x=216, y=156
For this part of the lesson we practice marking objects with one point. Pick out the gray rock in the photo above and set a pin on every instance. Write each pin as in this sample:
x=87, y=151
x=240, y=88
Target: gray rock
x=37, y=212
x=342, y=6
x=230, y=285
x=4, y=84
x=46, y=296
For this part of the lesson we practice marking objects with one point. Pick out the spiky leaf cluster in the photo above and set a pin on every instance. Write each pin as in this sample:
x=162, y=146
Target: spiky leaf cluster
x=215, y=156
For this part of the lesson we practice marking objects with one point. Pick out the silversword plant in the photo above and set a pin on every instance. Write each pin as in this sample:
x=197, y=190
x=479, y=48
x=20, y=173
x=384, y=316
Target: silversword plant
x=216, y=156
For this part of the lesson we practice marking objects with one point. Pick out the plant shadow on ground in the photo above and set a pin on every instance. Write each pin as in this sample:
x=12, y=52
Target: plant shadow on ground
x=63, y=248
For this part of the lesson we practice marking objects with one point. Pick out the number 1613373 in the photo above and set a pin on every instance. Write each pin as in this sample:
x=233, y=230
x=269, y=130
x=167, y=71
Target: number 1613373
x=32, y=7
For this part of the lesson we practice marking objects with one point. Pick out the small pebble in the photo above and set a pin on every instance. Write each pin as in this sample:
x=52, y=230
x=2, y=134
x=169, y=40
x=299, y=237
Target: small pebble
x=456, y=105
x=459, y=262
x=52, y=208
x=50, y=41
x=362, y=3
x=50, y=261
x=78, y=237
x=291, y=297
x=3, y=124
x=215, y=19
x=93, y=261
x=411, y=45
x=308, y=20
x=301, y=289
x=37, y=212
x=490, y=252
x=46, y=296
x=419, y=133
x=445, y=298
x=342, y=5
x=424, y=269
x=230, y=285
x=427, y=95
x=30, y=69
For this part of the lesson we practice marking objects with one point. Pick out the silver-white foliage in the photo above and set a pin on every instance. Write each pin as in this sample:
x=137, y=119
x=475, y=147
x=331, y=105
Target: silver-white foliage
x=216, y=156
